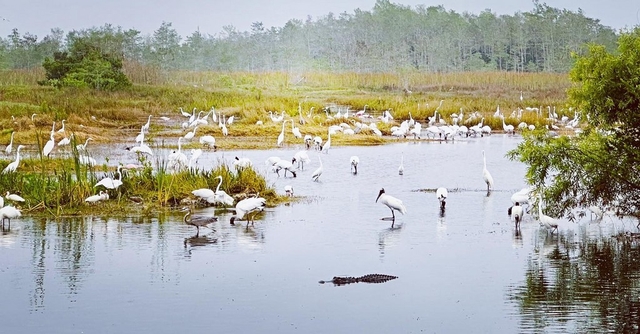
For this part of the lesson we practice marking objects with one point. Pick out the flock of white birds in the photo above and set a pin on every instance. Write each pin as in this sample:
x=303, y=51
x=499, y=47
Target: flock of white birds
x=361, y=122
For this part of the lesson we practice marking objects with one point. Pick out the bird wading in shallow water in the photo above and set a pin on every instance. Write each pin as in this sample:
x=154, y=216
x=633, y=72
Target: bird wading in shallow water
x=197, y=221
x=392, y=203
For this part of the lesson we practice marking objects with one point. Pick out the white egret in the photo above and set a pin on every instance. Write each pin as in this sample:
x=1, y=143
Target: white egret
x=401, y=168
x=83, y=147
x=197, y=221
x=281, y=135
x=111, y=183
x=184, y=113
x=225, y=131
x=316, y=174
x=48, y=147
x=248, y=207
x=221, y=196
x=176, y=159
x=485, y=173
x=140, y=136
x=62, y=128
x=145, y=127
x=10, y=146
x=14, y=165
x=441, y=195
x=392, y=203
x=95, y=198
x=190, y=134
x=296, y=131
x=14, y=197
x=86, y=160
x=327, y=144
x=354, y=163
x=9, y=212
x=230, y=120
x=195, y=154
x=64, y=141
x=546, y=221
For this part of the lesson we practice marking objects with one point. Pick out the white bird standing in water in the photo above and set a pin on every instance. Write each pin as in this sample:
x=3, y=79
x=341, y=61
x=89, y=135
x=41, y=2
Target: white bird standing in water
x=485, y=174
x=248, y=207
x=354, y=163
x=316, y=174
x=288, y=190
x=10, y=146
x=401, y=168
x=516, y=214
x=48, y=147
x=281, y=135
x=14, y=165
x=392, y=203
x=9, y=212
x=441, y=194
x=546, y=221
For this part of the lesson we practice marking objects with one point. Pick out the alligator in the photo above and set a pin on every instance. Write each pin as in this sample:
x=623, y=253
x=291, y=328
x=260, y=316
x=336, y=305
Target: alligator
x=371, y=278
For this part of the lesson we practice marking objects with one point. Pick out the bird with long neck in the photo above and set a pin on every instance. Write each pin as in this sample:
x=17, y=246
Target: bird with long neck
x=392, y=203
x=197, y=221
x=548, y=222
x=485, y=174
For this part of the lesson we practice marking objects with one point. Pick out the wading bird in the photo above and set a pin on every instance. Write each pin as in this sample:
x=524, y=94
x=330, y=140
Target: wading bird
x=354, y=164
x=14, y=197
x=14, y=165
x=111, y=183
x=485, y=174
x=550, y=223
x=392, y=203
x=401, y=168
x=281, y=135
x=10, y=146
x=48, y=147
x=197, y=221
x=316, y=174
x=441, y=194
x=288, y=190
x=248, y=207
x=9, y=212
x=516, y=214
x=97, y=198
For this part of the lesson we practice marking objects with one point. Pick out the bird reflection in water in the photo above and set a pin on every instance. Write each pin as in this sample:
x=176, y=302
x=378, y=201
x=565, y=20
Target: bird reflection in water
x=199, y=241
x=387, y=238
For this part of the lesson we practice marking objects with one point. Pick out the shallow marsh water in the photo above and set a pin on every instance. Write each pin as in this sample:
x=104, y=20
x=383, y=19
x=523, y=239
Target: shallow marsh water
x=465, y=271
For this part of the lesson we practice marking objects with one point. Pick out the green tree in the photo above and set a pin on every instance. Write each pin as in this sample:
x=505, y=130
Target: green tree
x=601, y=165
x=85, y=65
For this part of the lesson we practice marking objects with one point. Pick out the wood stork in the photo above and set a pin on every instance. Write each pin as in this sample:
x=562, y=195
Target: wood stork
x=243, y=162
x=485, y=174
x=354, y=163
x=248, y=207
x=516, y=214
x=286, y=165
x=288, y=190
x=197, y=221
x=441, y=195
x=301, y=158
x=208, y=141
x=316, y=174
x=392, y=203
x=10, y=146
x=14, y=165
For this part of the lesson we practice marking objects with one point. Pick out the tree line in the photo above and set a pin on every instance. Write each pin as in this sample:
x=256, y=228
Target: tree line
x=390, y=37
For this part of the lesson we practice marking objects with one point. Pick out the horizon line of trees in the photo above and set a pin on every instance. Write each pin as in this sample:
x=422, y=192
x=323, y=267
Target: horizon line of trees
x=390, y=37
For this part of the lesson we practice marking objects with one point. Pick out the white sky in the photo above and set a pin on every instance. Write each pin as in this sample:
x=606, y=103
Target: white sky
x=187, y=16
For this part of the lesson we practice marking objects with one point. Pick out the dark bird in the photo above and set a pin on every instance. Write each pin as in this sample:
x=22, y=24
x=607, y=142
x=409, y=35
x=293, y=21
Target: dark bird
x=197, y=221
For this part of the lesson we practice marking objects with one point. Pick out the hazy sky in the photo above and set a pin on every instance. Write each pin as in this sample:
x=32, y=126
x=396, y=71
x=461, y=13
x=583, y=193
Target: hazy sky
x=187, y=16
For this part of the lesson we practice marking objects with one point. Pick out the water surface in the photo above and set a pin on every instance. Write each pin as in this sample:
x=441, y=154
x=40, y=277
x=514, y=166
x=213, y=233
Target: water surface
x=464, y=271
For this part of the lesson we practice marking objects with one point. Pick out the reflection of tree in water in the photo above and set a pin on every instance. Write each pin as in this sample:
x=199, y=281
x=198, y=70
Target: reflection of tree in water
x=75, y=250
x=592, y=285
x=37, y=261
